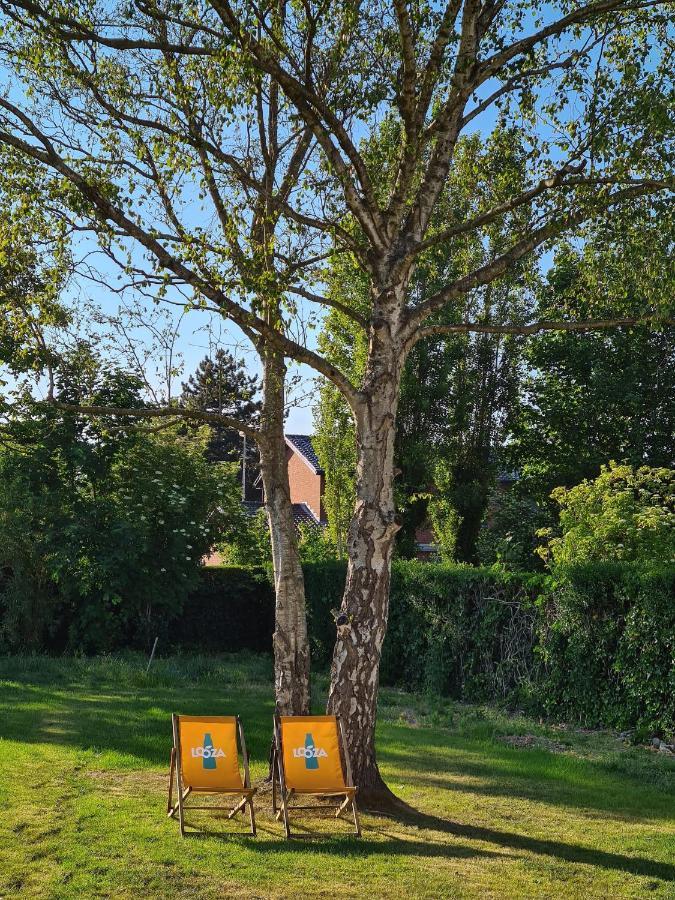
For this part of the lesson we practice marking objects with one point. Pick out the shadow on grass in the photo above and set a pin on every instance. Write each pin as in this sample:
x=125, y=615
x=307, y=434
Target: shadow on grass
x=134, y=723
x=572, y=853
x=329, y=844
x=536, y=775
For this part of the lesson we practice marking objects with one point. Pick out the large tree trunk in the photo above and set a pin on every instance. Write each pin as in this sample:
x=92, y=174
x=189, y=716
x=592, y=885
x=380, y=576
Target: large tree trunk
x=362, y=623
x=291, y=645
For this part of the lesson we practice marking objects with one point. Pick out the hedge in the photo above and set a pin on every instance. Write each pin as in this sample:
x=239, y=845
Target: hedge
x=232, y=609
x=607, y=641
x=455, y=630
x=594, y=645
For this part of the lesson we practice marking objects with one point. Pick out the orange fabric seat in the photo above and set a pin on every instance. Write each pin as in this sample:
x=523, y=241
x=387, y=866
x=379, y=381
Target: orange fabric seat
x=310, y=757
x=205, y=760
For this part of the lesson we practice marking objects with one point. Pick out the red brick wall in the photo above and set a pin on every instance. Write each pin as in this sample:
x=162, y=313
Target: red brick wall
x=306, y=486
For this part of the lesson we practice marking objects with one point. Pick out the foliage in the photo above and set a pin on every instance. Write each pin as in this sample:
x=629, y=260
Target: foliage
x=250, y=546
x=594, y=644
x=457, y=393
x=588, y=398
x=624, y=514
x=103, y=527
x=608, y=644
x=508, y=534
x=454, y=630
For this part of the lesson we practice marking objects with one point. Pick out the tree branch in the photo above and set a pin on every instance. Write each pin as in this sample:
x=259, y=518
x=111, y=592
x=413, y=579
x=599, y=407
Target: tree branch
x=539, y=327
x=151, y=412
x=498, y=266
x=104, y=210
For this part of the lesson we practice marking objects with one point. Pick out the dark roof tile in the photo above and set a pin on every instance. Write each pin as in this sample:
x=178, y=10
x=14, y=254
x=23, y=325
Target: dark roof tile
x=302, y=443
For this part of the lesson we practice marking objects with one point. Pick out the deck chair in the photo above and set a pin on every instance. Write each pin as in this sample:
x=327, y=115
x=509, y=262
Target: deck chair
x=310, y=757
x=205, y=760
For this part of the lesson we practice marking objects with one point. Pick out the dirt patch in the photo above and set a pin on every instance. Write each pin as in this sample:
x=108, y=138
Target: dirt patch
x=534, y=742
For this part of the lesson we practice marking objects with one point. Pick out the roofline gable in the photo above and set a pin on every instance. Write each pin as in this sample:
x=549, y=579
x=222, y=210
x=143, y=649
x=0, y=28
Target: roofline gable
x=288, y=438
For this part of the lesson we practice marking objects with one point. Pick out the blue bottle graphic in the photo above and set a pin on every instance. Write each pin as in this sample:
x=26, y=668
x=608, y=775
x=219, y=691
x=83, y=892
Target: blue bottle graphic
x=311, y=762
x=208, y=762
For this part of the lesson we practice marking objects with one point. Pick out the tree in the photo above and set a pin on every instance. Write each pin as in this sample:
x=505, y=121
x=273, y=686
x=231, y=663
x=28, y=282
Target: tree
x=594, y=397
x=103, y=526
x=222, y=385
x=119, y=108
x=456, y=392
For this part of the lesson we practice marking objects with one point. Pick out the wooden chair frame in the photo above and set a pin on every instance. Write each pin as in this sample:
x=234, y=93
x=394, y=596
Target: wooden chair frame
x=282, y=810
x=246, y=793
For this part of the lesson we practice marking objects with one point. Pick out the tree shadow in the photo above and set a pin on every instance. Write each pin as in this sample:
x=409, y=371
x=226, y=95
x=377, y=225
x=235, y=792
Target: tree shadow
x=536, y=775
x=572, y=853
x=132, y=723
x=347, y=845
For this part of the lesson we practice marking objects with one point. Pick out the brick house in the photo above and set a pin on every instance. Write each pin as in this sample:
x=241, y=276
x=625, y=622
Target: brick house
x=307, y=482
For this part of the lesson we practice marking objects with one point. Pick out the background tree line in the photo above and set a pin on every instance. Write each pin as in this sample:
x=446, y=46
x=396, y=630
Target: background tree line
x=548, y=412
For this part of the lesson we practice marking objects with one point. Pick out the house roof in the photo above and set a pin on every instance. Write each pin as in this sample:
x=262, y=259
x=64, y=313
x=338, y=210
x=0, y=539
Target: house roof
x=302, y=514
x=302, y=444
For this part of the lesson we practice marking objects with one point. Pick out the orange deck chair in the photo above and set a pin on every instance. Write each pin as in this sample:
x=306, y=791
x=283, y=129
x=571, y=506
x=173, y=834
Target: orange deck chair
x=205, y=760
x=310, y=757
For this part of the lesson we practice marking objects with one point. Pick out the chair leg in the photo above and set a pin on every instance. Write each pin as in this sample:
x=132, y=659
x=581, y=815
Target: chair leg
x=252, y=815
x=240, y=805
x=357, y=824
x=181, y=817
x=284, y=810
x=284, y=803
x=172, y=770
x=274, y=785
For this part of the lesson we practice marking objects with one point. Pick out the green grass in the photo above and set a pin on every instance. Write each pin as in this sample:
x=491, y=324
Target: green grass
x=84, y=746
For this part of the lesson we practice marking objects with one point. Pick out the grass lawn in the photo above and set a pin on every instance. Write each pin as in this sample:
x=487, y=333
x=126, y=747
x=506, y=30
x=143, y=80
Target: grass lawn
x=508, y=808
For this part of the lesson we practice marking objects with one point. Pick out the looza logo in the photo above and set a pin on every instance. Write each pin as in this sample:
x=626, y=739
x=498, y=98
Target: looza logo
x=208, y=752
x=309, y=753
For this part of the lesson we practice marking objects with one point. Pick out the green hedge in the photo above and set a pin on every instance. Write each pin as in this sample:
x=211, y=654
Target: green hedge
x=595, y=645
x=453, y=630
x=607, y=640
x=232, y=609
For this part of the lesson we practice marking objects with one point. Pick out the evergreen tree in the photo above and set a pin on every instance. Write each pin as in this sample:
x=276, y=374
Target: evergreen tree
x=221, y=384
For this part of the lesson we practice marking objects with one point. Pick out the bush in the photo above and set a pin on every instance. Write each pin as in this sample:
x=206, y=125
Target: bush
x=594, y=644
x=508, y=534
x=607, y=639
x=624, y=514
x=101, y=539
x=231, y=609
x=453, y=629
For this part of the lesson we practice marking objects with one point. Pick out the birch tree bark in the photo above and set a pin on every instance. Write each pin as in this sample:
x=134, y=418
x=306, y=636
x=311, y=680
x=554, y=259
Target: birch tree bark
x=291, y=644
x=364, y=613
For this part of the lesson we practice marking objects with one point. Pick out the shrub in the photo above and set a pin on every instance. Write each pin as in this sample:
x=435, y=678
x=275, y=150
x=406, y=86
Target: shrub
x=508, y=531
x=607, y=638
x=453, y=629
x=624, y=514
x=102, y=536
x=231, y=609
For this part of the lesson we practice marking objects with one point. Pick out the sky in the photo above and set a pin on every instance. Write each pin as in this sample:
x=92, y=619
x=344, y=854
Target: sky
x=200, y=333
